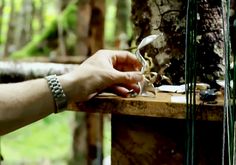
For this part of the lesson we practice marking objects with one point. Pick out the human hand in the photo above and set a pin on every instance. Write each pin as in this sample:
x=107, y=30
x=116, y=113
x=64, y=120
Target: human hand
x=116, y=71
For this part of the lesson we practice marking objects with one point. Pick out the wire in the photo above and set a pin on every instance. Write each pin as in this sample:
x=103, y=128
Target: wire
x=190, y=80
x=229, y=106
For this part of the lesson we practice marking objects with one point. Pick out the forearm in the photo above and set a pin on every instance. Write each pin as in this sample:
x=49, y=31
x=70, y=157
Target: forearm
x=24, y=103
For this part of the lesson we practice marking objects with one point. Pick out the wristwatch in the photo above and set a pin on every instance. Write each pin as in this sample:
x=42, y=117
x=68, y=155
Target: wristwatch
x=58, y=94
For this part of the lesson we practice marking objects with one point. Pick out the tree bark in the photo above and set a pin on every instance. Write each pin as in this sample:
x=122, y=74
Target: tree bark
x=168, y=17
x=22, y=71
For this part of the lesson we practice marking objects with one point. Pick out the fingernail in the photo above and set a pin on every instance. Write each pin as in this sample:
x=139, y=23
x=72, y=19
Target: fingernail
x=131, y=93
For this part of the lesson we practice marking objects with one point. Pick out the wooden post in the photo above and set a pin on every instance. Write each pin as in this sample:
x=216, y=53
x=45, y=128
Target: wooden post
x=151, y=131
x=95, y=121
x=161, y=141
x=80, y=149
x=90, y=31
x=84, y=11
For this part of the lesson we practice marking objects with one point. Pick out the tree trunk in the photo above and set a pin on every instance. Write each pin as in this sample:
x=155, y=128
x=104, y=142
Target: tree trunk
x=168, y=17
x=90, y=31
x=40, y=14
x=95, y=121
x=62, y=4
x=2, y=5
x=122, y=16
x=84, y=12
x=10, y=31
x=31, y=20
x=122, y=19
x=97, y=25
x=79, y=146
x=25, y=23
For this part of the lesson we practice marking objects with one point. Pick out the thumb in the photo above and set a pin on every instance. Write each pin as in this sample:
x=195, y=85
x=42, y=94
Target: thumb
x=129, y=77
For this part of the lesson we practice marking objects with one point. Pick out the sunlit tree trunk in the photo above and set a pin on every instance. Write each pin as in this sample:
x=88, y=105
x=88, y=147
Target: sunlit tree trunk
x=122, y=16
x=25, y=23
x=40, y=13
x=121, y=28
x=61, y=31
x=39, y=16
x=31, y=18
x=10, y=31
x=2, y=5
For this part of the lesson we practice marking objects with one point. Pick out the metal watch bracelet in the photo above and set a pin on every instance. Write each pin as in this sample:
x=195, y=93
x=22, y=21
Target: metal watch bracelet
x=59, y=96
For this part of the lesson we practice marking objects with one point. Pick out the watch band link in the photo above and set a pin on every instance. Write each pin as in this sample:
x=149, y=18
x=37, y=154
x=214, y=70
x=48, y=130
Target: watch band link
x=59, y=96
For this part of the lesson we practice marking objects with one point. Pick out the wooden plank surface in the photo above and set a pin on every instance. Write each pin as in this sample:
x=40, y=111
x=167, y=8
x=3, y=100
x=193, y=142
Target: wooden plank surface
x=162, y=105
x=161, y=141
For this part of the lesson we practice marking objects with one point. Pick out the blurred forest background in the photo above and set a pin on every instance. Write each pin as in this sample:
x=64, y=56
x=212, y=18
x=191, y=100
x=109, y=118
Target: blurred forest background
x=44, y=28
x=41, y=30
x=66, y=31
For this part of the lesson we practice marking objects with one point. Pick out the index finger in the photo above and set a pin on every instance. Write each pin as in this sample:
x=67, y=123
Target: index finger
x=125, y=58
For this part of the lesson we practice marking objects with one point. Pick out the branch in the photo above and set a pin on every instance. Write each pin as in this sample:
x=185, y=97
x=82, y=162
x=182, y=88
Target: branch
x=21, y=71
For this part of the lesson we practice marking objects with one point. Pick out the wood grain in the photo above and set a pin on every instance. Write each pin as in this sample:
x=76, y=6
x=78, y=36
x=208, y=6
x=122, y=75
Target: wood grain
x=143, y=140
x=159, y=106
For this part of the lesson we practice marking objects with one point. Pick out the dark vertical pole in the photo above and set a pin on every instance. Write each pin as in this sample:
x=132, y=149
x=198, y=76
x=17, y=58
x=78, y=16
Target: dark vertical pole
x=79, y=146
x=95, y=121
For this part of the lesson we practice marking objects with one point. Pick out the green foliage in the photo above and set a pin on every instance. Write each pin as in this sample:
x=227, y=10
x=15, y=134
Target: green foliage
x=38, y=45
x=68, y=17
x=49, y=139
x=43, y=43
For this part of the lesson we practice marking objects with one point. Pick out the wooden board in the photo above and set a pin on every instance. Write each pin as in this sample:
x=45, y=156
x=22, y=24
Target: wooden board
x=152, y=130
x=158, y=141
x=160, y=106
